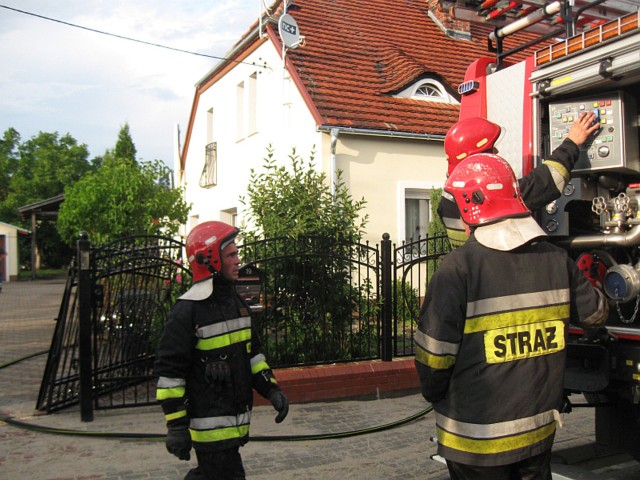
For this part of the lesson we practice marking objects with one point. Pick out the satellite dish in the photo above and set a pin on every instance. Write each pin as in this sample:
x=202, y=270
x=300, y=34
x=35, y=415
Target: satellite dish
x=289, y=31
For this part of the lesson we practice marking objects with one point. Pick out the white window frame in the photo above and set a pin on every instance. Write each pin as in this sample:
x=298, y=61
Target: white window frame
x=230, y=216
x=240, y=132
x=413, y=91
x=252, y=103
x=407, y=190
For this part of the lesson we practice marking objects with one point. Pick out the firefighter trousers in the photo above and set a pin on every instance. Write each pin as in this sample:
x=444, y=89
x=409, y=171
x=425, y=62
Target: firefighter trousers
x=223, y=465
x=534, y=468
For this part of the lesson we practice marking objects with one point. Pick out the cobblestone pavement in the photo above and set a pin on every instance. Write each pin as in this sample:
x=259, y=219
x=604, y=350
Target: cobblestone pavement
x=27, y=313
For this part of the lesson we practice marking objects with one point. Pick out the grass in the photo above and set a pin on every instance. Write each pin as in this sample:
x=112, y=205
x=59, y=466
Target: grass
x=43, y=273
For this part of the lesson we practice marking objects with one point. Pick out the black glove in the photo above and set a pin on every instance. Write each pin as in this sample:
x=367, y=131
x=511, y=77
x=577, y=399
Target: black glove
x=281, y=403
x=179, y=441
x=217, y=373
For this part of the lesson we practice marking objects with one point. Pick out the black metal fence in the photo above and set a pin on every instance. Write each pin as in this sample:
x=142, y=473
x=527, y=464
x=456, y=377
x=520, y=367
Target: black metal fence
x=115, y=303
x=319, y=300
x=314, y=300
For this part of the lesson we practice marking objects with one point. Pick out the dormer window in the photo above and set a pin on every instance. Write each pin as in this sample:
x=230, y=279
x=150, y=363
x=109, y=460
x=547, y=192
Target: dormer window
x=428, y=89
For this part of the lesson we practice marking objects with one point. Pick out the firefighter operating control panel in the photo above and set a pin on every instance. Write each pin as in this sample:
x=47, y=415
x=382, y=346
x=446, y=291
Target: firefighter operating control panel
x=614, y=146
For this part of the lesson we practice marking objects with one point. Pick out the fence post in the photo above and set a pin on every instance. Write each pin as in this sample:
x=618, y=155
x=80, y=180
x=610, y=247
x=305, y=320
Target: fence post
x=85, y=327
x=387, y=301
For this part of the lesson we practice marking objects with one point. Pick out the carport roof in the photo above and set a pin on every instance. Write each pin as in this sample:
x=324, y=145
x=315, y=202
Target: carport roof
x=44, y=208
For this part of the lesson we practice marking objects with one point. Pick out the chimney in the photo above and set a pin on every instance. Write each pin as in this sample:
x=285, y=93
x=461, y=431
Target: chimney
x=441, y=12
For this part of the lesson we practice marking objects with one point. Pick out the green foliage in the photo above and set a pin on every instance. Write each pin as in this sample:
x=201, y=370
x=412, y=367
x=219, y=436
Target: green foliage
x=407, y=303
x=125, y=148
x=407, y=309
x=122, y=198
x=440, y=244
x=436, y=227
x=298, y=201
x=36, y=170
x=8, y=161
x=315, y=311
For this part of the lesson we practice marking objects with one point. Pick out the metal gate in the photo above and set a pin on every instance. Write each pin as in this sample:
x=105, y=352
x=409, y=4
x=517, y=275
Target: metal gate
x=314, y=300
x=413, y=265
x=320, y=299
x=124, y=290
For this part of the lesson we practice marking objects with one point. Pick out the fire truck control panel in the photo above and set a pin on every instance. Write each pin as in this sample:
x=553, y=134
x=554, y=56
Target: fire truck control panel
x=615, y=146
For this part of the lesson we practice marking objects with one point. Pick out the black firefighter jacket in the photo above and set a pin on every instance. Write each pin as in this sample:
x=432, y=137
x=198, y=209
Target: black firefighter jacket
x=541, y=186
x=217, y=329
x=490, y=348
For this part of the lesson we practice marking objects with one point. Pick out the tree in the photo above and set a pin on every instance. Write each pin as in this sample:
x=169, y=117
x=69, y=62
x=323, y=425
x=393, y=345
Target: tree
x=122, y=198
x=436, y=227
x=313, y=301
x=8, y=160
x=125, y=148
x=36, y=170
x=297, y=201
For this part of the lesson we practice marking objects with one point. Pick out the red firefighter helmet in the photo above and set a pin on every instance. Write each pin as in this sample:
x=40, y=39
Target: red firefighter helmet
x=204, y=246
x=467, y=137
x=485, y=189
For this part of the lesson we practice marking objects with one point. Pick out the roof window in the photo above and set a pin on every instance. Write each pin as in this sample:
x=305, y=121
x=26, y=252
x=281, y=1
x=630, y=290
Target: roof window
x=427, y=89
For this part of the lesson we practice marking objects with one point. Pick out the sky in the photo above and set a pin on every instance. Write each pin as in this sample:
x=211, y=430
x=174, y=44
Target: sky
x=59, y=78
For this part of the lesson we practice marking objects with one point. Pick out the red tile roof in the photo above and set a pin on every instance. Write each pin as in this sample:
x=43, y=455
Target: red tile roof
x=358, y=52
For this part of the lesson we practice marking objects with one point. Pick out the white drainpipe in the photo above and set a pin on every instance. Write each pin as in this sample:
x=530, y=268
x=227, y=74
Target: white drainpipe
x=333, y=174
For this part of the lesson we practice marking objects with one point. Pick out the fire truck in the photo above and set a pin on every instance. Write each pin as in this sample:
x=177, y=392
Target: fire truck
x=586, y=57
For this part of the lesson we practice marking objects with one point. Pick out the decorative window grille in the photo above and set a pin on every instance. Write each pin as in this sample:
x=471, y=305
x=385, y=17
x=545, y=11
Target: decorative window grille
x=429, y=90
x=209, y=176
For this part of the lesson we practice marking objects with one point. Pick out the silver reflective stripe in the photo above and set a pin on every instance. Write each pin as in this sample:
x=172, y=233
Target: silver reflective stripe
x=520, y=301
x=448, y=196
x=257, y=359
x=496, y=430
x=453, y=223
x=432, y=345
x=224, y=327
x=210, y=423
x=165, y=382
x=558, y=179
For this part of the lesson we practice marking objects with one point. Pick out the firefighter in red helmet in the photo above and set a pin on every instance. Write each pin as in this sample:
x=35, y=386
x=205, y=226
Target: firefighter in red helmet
x=490, y=343
x=541, y=186
x=209, y=361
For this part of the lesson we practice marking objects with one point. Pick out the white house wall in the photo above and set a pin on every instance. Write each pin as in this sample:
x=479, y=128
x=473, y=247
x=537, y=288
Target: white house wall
x=282, y=120
x=11, y=262
x=381, y=169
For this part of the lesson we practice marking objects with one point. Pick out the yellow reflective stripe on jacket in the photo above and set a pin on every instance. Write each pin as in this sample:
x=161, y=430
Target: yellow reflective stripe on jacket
x=559, y=173
x=170, y=388
x=215, y=429
x=518, y=317
x=221, y=328
x=498, y=429
x=224, y=340
x=228, y=433
x=173, y=416
x=438, y=362
x=164, y=393
x=223, y=334
x=259, y=363
x=488, y=446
